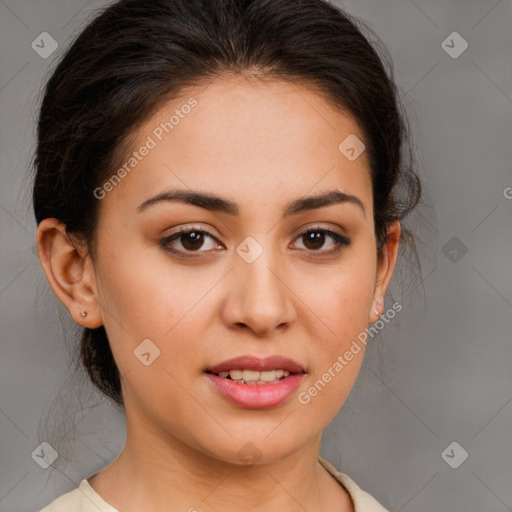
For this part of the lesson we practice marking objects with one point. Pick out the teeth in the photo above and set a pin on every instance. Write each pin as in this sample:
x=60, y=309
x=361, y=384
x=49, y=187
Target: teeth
x=268, y=376
x=254, y=377
x=249, y=375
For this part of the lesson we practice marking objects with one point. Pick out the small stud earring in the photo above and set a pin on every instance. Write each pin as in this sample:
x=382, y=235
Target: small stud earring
x=377, y=312
x=83, y=314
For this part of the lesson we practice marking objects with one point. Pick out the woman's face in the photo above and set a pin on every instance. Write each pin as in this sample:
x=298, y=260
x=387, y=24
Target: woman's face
x=246, y=280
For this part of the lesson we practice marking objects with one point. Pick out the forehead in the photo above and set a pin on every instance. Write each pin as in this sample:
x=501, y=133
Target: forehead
x=241, y=138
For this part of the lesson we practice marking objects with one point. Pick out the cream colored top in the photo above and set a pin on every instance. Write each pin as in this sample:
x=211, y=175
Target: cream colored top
x=86, y=499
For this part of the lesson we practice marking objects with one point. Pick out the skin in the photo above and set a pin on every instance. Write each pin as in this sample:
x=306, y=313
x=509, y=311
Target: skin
x=261, y=145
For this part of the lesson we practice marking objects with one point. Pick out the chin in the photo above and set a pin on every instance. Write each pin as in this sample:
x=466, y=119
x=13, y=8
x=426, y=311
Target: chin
x=252, y=450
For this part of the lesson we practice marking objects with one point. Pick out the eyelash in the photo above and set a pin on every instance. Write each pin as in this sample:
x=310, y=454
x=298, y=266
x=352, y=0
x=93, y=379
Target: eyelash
x=341, y=240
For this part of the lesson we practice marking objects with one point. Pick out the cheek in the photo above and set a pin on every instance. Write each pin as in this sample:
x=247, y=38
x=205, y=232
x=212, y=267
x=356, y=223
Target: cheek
x=349, y=307
x=341, y=297
x=343, y=306
x=338, y=350
x=172, y=306
x=145, y=293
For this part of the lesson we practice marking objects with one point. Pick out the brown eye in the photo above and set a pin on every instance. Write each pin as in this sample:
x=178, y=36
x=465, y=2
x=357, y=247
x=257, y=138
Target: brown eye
x=314, y=240
x=191, y=241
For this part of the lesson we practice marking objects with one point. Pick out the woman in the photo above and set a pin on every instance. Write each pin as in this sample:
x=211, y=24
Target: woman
x=216, y=195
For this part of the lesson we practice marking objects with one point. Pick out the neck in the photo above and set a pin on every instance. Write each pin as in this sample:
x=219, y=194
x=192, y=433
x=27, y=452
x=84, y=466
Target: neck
x=156, y=471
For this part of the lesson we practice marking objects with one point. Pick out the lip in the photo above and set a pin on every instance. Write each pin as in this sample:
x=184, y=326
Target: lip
x=249, y=396
x=248, y=362
x=256, y=396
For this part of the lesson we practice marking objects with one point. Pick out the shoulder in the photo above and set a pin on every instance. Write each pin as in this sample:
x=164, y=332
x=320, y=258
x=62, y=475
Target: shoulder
x=363, y=501
x=81, y=499
x=69, y=502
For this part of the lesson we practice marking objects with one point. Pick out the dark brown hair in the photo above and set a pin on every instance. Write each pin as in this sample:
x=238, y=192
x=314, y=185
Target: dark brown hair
x=136, y=55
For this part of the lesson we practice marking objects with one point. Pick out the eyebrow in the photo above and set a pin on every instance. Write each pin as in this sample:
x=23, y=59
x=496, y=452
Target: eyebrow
x=219, y=204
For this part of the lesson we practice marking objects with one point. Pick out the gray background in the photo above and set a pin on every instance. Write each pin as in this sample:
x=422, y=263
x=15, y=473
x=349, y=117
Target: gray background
x=439, y=372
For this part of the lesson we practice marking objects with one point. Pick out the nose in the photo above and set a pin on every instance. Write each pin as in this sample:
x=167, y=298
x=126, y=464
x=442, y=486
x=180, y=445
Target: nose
x=258, y=297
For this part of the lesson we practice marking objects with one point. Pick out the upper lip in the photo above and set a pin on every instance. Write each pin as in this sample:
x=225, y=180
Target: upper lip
x=247, y=362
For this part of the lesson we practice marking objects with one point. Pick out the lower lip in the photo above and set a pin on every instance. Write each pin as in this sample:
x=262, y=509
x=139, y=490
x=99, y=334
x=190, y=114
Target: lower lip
x=256, y=396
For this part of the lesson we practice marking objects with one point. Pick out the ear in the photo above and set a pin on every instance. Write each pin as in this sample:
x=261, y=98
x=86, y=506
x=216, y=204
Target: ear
x=385, y=268
x=69, y=271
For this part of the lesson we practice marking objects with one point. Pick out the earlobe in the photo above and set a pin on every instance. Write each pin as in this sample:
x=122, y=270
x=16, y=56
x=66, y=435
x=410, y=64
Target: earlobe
x=385, y=268
x=69, y=272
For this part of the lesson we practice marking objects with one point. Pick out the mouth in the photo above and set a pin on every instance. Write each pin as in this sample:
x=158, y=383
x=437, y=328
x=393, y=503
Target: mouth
x=251, y=382
x=254, y=377
x=256, y=371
